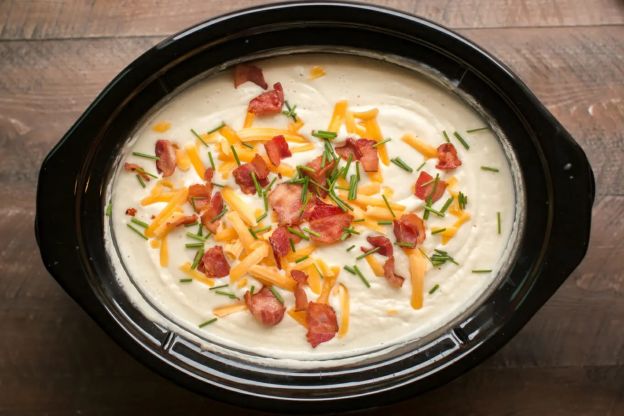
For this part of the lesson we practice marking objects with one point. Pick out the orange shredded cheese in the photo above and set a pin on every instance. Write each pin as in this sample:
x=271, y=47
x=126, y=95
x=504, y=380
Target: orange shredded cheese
x=328, y=283
x=343, y=293
x=196, y=274
x=451, y=231
x=193, y=155
x=237, y=204
x=338, y=116
x=229, y=134
x=295, y=126
x=373, y=131
x=249, y=118
x=161, y=126
x=366, y=201
x=178, y=199
x=375, y=266
x=225, y=310
x=417, y=267
x=299, y=317
x=164, y=251
x=182, y=160
x=352, y=126
x=155, y=243
x=272, y=276
x=248, y=262
x=366, y=115
x=301, y=252
x=226, y=234
x=423, y=148
x=303, y=148
x=239, y=226
x=266, y=133
x=382, y=213
x=316, y=72
x=369, y=189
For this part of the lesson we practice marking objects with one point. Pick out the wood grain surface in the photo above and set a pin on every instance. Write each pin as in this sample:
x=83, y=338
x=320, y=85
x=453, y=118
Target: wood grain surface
x=55, y=56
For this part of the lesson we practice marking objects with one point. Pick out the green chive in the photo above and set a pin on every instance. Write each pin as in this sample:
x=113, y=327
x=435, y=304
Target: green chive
x=252, y=232
x=291, y=111
x=247, y=145
x=196, y=237
x=498, y=222
x=109, y=209
x=137, y=231
x=440, y=257
x=200, y=230
x=446, y=205
x=143, y=171
x=252, y=289
x=194, y=245
x=270, y=185
x=263, y=216
x=212, y=164
x=208, y=322
x=292, y=244
x=381, y=142
x=297, y=233
x=185, y=280
x=405, y=244
x=306, y=168
x=263, y=229
x=433, y=211
x=357, y=169
x=219, y=127
x=304, y=190
x=400, y=163
x=462, y=200
x=140, y=179
x=384, y=222
x=322, y=134
x=300, y=259
x=368, y=253
x=361, y=276
x=388, y=205
x=145, y=155
x=235, y=155
x=228, y=294
x=438, y=231
x=255, y=182
x=359, y=220
x=342, y=204
x=433, y=289
x=311, y=232
x=218, y=287
x=218, y=185
x=190, y=225
x=482, y=271
x=347, y=166
x=477, y=129
x=352, y=188
x=446, y=136
x=349, y=269
x=351, y=230
x=221, y=214
x=277, y=295
x=265, y=200
x=461, y=140
x=199, y=137
x=351, y=248
x=318, y=270
x=421, y=166
x=198, y=256
x=489, y=168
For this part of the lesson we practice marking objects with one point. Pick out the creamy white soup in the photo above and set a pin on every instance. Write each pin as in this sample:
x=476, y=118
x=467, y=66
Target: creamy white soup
x=363, y=149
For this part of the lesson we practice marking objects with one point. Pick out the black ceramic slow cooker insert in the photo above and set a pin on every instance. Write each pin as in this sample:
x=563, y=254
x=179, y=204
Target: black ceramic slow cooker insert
x=557, y=183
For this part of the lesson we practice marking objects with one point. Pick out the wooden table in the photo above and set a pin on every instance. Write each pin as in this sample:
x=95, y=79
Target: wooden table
x=56, y=56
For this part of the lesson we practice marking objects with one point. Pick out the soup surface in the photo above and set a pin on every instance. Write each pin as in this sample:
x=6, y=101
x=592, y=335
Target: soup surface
x=430, y=183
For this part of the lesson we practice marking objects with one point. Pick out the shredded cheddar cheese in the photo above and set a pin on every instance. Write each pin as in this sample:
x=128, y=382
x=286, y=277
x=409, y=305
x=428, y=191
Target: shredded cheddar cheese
x=248, y=262
x=299, y=317
x=338, y=116
x=249, y=118
x=193, y=155
x=229, y=134
x=417, y=267
x=164, y=252
x=182, y=160
x=225, y=310
x=316, y=72
x=371, y=188
x=178, y=199
x=382, y=213
x=161, y=126
x=343, y=293
x=303, y=148
x=375, y=266
x=451, y=231
x=239, y=226
x=238, y=205
x=266, y=133
x=272, y=276
x=196, y=274
x=423, y=148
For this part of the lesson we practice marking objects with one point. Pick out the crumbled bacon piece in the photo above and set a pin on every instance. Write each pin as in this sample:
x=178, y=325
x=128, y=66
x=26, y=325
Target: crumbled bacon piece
x=208, y=217
x=269, y=102
x=363, y=150
x=131, y=211
x=166, y=163
x=393, y=279
x=182, y=220
x=447, y=157
x=199, y=196
x=133, y=167
x=285, y=199
x=277, y=149
x=249, y=72
x=319, y=174
x=331, y=227
x=424, y=187
x=318, y=209
x=385, y=245
x=208, y=174
x=301, y=299
x=321, y=322
x=242, y=175
x=409, y=229
x=280, y=244
x=265, y=307
x=214, y=263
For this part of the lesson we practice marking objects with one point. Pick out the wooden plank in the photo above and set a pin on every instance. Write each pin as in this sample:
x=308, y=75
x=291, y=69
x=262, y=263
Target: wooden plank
x=41, y=19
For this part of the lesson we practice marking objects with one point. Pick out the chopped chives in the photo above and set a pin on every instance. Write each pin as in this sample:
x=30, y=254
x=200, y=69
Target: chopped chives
x=198, y=256
x=291, y=111
x=351, y=248
x=140, y=179
x=252, y=289
x=433, y=289
x=247, y=145
x=477, y=129
x=359, y=220
x=109, y=209
x=200, y=230
x=190, y=225
x=185, y=280
x=405, y=244
x=270, y=185
x=421, y=166
x=212, y=164
x=433, y=211
x=489, y=168
x=401, y=163
x=137, y=231
x=297, y=233
x=235, y=155
x=300, y=259
x=388, y=205
x=438, y=231
x=199, y=137
x=349, y=269
x=352, y=188
x=461, y=140
x=252, y=232
x=482, y=271
x=361, y=276
x=440, y=257
x=228, y=294
x=357, y=169
x=384, y=222
x=208, y=322
x=194, y=245
x=292, y=244
x=196, y=237
x=342, y=204
x=304, y=190
x=462, y=200
x=145, y=155
x=382, y=142
x=350, y=230
x=218, y=185
x=219, y=127
x=344, y=236
x=345, y=171
x=306, y=168
x=263, y=229
x=277, y=295
x=498, y=222
x=221, y=214
x=263, y=216
x=255, y=182
x=322, y=134
x=218, y=287
x=446, y=205
x=318, y=270
x=265, y=201
x=446, y=136
x=368, y=253
x=311, y=232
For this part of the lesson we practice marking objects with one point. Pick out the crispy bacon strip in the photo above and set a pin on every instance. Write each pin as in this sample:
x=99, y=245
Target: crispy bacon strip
x=269, y=102
x=208, y=174
x=131, y=212
x=280, y=244
x=199, y=196
x=321, y=322
x=409, y=229
x=242, y=174
x=384, y=244
x=165, y=151
x=393, y=279
x=330, y=227
x=447, y=157
x=265, y=307
x=211, y=211
x=214, y=263
x=133, y=167
x=285, y=199
x=301, y=299
x=249, y=72
x=362, y=150
x=424, y=187
x=319, y=174
x=318, y=209
x=277, y=149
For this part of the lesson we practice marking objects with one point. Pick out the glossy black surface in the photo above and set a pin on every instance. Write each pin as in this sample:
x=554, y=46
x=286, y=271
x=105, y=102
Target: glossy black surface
x=558, y=183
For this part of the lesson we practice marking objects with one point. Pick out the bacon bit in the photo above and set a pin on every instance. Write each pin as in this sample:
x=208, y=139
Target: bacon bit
x=362, y=150
x=322, y=323
x=165, y=151
x=242, y=174
x=211, y=211
x=320, y=174
x=285, y=200
x=199, y=196
x=208, y=174
x=214, y=263
x=280, y=244
x=301, y=299
x=385, y=246
x=131, y=211
x=265, y=307
x=277, y=149
x=269, y=102
x=133, y=167
x=410, y=229
x=447, y=157
x=317, y=209
x=182, y=220
x=424, y=187
x=393, y=279
x=330, y=228
x=249, y=72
